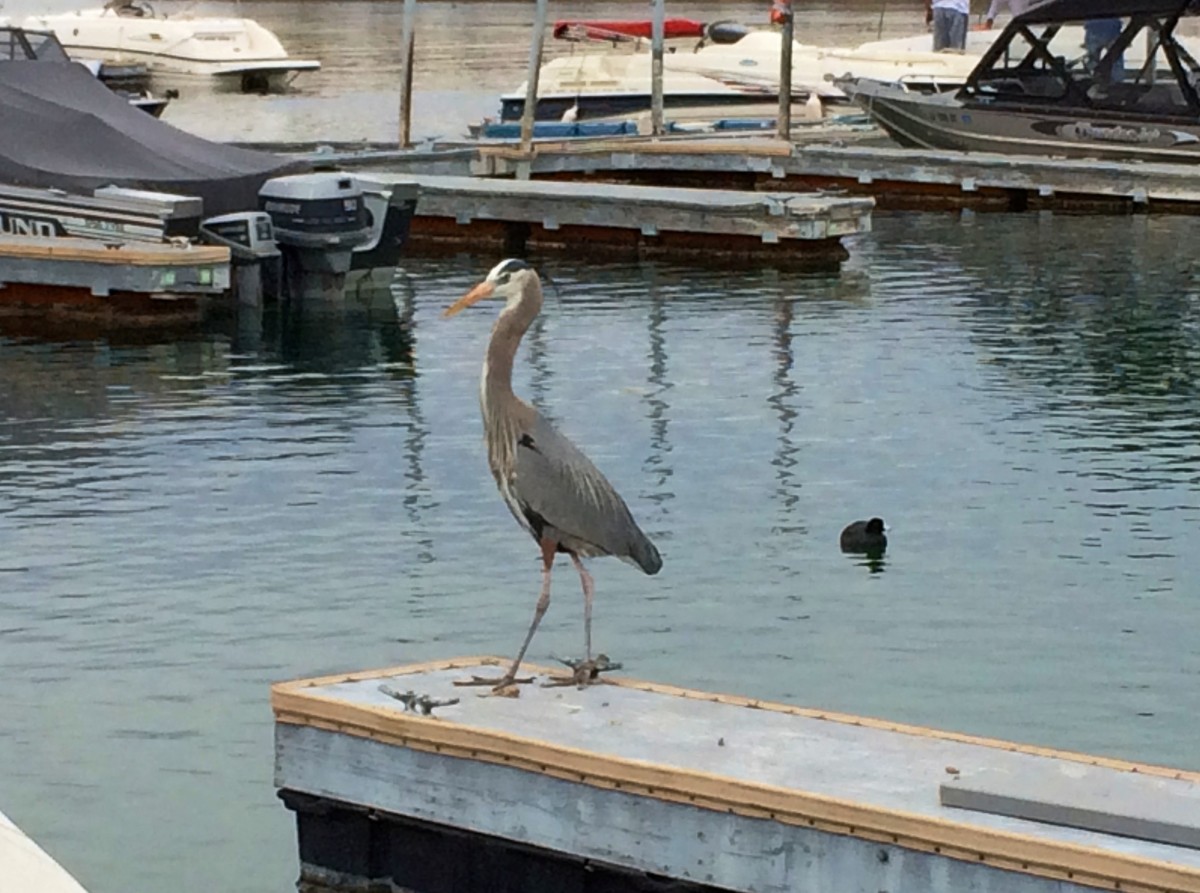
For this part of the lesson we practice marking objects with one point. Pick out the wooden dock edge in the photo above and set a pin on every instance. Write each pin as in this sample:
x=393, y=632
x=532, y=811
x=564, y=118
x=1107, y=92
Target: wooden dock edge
x=293, y=704
x=122, y=254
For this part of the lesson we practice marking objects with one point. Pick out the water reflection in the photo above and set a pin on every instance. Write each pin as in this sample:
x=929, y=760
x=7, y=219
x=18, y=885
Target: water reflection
x=783, y=402
x=1105, y=333
x=657, y=463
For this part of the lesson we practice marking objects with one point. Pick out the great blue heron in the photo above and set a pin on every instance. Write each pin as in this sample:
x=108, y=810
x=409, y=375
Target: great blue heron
x=553, y=490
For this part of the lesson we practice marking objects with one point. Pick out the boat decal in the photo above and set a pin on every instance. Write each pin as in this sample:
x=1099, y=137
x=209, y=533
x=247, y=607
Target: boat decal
x=1115, y=133
x=27, y=225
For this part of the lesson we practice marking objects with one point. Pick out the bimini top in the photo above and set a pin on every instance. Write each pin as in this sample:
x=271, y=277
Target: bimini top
x=63, y=129
x=1042, y=11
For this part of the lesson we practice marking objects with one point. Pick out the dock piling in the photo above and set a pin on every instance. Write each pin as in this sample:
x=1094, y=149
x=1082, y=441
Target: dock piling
x=531, y=85
x=656, y=68
x=407, y=45
x=787, y=19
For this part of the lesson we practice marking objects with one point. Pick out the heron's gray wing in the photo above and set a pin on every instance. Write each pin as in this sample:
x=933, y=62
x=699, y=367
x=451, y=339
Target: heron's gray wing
x=560, y=485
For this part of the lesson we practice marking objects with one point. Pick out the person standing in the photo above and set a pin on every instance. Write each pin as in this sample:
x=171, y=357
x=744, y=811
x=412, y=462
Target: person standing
x=1016, y=7
x=949, y=21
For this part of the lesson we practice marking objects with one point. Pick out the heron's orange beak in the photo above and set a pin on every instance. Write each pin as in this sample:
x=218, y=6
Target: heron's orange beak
x=474, y=296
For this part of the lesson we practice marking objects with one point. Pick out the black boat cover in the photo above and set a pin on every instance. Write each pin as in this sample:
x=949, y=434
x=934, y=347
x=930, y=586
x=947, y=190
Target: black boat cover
x=1077, y=10
x=61, y=128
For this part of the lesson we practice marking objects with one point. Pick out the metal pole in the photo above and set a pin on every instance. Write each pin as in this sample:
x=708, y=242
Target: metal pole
x=785, y=68
x=656, y=68
x=407, y=41
x=531, y=85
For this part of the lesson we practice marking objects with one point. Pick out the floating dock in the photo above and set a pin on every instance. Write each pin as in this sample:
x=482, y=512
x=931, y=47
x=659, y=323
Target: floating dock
x=896, y=178
x=602, y=219
x=83, y=280
x=634, y=786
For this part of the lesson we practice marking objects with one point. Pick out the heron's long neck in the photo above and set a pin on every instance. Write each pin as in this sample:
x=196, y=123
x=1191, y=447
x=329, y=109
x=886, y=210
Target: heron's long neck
x=500, y=406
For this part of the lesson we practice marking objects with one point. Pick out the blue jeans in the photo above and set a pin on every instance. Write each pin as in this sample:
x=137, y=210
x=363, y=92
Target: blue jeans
x=949, y=29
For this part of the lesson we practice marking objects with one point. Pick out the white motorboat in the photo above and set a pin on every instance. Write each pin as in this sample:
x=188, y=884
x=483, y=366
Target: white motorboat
x=729, y=75
x=26, y=866
x=237, y=53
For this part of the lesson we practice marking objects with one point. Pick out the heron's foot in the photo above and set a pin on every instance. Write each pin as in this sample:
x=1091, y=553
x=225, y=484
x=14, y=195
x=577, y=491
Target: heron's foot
x=583, y=672
x=416, y=703
x=504, y=686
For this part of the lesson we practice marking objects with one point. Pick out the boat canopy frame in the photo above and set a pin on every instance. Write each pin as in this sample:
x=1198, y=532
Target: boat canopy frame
x=1081, y=77
x=1049, y=11
x=21, y=44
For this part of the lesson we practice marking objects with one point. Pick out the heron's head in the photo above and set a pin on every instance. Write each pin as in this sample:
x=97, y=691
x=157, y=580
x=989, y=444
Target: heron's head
x=511, y=280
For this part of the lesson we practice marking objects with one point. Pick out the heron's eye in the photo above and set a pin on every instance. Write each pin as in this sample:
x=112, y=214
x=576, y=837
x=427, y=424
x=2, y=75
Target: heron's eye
x=503, y=278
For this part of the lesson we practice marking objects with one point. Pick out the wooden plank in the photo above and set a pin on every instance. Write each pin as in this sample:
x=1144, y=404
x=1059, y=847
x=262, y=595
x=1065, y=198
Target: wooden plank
x=1112, y=804
x=846, y=776
x=131, y=254
x=736, y=148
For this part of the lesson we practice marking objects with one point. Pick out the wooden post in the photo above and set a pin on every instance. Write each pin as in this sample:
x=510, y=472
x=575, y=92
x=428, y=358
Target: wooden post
x=407, y=41
x=656, y=68
x=785, y=17
x=531, y=85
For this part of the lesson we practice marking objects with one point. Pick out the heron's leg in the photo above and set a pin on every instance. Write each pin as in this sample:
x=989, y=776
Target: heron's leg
x=589, y=590
x=549, y=547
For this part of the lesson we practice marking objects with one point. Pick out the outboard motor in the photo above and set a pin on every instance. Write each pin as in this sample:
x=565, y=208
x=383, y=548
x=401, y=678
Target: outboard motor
x=391, y=201
x=255, y=256
x=319, y=219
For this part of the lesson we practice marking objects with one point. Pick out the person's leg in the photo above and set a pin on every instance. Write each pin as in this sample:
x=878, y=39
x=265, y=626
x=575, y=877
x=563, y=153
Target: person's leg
x=958, y=30
x=941, y=27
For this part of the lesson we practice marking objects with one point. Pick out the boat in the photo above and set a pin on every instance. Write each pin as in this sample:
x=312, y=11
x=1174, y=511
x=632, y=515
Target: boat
x=1129, y=94
x=730, y=70
x=22, y=45
x=79, y=167
x=26, y=866
x=234, y=53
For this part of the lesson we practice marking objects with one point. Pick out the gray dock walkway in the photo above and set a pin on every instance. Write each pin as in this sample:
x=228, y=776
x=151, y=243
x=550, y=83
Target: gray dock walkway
x=894, y=177
x=722, y=792
x=604, y=218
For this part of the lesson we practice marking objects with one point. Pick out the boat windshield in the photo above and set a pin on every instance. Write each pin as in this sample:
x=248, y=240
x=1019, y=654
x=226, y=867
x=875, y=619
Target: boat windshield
x=19, y=45
x=1135, y=64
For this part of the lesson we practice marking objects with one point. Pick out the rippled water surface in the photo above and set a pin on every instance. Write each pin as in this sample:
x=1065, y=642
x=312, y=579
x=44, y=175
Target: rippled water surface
x=184, y=521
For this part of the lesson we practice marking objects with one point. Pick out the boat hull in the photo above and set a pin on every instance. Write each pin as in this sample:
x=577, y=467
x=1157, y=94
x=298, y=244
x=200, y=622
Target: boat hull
x=944, y=122
x=234, y=53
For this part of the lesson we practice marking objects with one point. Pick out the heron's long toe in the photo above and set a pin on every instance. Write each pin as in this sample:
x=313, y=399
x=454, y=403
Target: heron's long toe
x=583, y=672
x=498, y=683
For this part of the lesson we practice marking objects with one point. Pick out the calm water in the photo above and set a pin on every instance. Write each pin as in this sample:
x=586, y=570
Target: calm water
x=183, y=522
